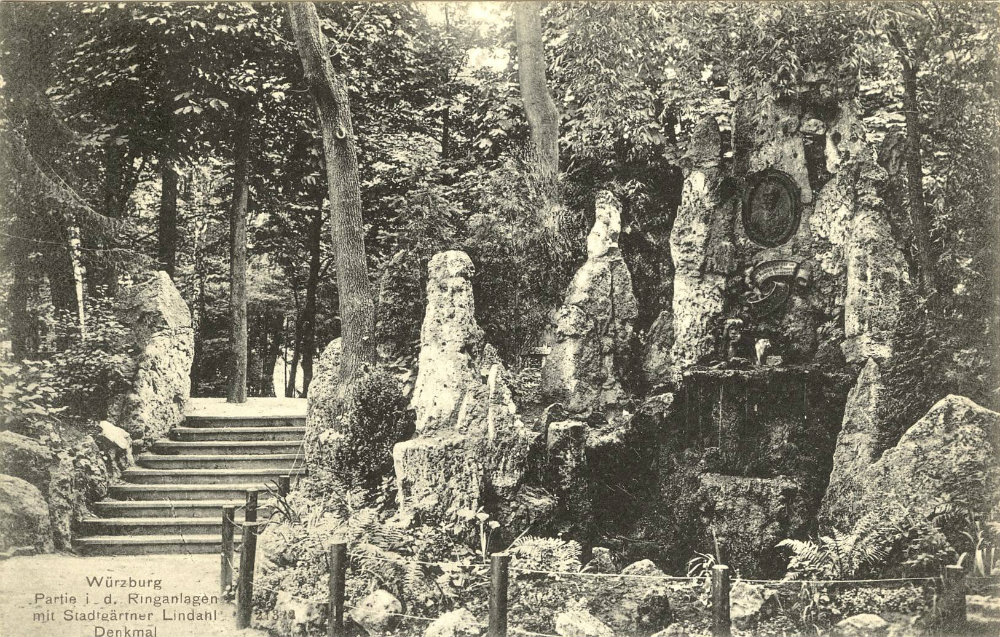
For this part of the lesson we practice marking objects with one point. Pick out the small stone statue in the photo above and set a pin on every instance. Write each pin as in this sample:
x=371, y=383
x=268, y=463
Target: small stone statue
x=762, y=347
x=731, y=335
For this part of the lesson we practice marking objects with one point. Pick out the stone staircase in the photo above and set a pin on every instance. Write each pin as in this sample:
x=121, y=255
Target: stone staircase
x=171, y=501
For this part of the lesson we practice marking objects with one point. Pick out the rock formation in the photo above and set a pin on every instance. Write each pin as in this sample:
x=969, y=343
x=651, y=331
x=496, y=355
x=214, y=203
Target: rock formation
x=455, y=623
x=378, y=613
x=579, y=622
x=751, y=515
x=164, y=337
x=470, y=441
x=592, y=331
x=69, y=477
x=702, y=249
x=878, y=281
x=323, y=405
x=450, y=340
x=24, y=516
x=953, y=451
x=857, y=442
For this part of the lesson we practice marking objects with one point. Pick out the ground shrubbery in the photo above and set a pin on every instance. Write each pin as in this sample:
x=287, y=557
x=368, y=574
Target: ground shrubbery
x=358, y=447
x=76, y=376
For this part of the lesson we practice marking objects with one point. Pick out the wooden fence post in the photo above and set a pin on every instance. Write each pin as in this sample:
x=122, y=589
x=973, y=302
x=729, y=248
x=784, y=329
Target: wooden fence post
x=498, y=595
x=721, y=626
x=248, y=555
x=953, y=618
x=284, y=485
x=228, y=519
x=338, y=578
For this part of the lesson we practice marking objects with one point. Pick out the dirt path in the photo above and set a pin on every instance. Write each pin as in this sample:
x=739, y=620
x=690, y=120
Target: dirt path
x=51, y=596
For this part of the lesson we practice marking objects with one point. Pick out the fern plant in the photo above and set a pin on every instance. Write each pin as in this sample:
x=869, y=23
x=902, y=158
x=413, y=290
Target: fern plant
x=881, y=542
x=546, y=554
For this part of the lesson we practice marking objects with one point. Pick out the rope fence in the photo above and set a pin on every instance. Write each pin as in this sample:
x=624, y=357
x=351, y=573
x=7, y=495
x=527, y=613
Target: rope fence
x=952, y=584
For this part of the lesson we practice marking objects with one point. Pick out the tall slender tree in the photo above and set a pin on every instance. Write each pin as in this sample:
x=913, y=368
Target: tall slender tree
x=543, y=118
x=236, y=391
x=329, y=92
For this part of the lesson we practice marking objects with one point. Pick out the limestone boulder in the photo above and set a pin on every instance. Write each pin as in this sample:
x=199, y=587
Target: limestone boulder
x=593, y=328
x=878, y=280
x=751, y=515
x=863, y=625
x=657, y=361
x=115, y=437
x=25, y=458
x=638, y=603
x=437, y=473
x=24, y=515
x=953, y=451
x=857, y=445
x=295, y=616
x=776, y=137
x=749, y=604
x=569, y=476
x=450, y=339
x=161, y=322
x=377, y=613
x=601, y=561
x=642, y=568
x=456, y=623
x=470, y=439
x=323, y=403
x=578, y=622
x=703, y=253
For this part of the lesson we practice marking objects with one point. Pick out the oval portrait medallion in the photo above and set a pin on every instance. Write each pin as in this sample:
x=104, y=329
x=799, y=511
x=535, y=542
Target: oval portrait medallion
x=771, y=208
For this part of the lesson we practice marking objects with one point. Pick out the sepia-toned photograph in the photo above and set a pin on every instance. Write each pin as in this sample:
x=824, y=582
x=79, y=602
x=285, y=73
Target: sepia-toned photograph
x=500, y=319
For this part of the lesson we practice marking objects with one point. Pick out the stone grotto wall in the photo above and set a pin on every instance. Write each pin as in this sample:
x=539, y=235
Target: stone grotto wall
x=48, y=479
x=847, y=277
x=161, y=322
x=471, y=447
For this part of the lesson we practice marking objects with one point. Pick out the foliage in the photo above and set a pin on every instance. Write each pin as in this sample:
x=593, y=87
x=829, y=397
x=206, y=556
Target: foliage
x=28, y=394
x=521, y=270
x=881, y=543
x=427, y=567
x=546, y=554
x=92, y=368
x=361, y=442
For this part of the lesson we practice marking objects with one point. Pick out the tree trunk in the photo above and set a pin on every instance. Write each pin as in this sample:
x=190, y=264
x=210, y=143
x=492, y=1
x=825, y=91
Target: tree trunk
x=62, y=287
x=275, y=336
x=257, y=342
x=543, y=119
x=357, y=306
x=167, y=228
x=293, y=366
x=78, y=274
x=103, y=275
x=309, y=312
x=237, y=386
x=919, y=216
x=199, y=307
x=23, y=335
x=446, y=133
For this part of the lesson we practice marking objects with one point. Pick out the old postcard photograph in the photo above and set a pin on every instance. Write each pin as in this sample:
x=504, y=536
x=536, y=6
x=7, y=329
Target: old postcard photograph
x=500, y=319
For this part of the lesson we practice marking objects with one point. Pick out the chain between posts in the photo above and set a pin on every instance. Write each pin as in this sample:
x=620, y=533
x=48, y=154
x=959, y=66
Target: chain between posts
x=952, y=613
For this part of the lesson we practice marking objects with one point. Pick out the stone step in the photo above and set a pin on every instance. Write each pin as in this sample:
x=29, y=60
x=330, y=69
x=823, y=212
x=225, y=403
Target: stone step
x=238, y=433
x=215, y=448
x=155, y=526
x=983, y=615
x=206, y=509
x=148, y=544
x=224, y=461
x=255, y=421
x=186, y=491
x=136, y=475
